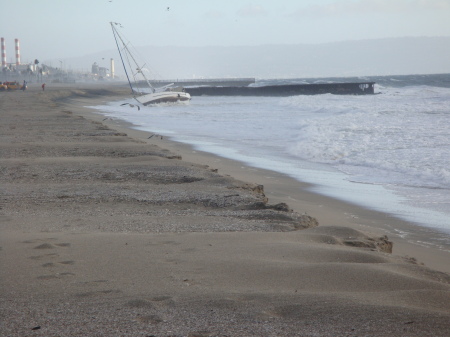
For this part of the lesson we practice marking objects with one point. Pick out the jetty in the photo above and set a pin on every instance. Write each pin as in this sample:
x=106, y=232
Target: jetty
x=363, y=88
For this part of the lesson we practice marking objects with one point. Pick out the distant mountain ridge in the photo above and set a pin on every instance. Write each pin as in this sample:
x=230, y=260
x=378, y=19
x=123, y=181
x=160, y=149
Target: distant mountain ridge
x=396, y=56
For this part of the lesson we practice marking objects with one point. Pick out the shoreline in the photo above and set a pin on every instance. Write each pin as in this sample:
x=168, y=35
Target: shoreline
x=104, y=231
x=281, y=188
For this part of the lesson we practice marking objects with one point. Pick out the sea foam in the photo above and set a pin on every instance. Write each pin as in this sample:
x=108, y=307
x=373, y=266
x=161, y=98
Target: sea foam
x=392, y=147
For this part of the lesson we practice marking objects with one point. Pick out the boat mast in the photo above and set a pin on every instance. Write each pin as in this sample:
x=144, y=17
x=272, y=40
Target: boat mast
x=115, y=33
x=139, y=69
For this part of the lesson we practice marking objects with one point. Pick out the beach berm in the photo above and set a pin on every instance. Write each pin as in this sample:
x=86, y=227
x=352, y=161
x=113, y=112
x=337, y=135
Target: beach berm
x=104, y=233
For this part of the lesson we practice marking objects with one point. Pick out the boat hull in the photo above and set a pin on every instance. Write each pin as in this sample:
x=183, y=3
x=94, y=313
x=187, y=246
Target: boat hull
x=163, y=97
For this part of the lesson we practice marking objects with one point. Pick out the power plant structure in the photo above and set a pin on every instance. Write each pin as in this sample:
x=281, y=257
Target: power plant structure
x=3, y=53
x=16, y=42
x=103, y=72
x=16, y=66
x=112, y=71
x=34, y=72
x=17, y=49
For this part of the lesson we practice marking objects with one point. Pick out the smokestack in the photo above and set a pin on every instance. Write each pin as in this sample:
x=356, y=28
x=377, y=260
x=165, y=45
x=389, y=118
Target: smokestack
x=17, y=52
x=3, y=53
x=112, y=68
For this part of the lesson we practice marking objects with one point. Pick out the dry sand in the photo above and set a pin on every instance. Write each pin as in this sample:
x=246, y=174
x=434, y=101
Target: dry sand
x=107, y=233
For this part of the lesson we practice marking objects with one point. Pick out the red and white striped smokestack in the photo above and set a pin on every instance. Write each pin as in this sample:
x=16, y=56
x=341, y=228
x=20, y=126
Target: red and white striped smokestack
x=17, y=52
x=3, y=53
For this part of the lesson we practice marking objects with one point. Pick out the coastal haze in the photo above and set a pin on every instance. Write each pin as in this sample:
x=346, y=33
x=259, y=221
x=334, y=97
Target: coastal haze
x=263, y=39
x=394, y=56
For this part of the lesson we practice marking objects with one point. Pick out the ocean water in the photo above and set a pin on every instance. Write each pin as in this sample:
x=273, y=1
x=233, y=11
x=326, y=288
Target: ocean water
x=389, y=152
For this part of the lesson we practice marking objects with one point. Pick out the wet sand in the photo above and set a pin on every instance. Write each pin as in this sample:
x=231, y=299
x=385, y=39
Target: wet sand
x=107, y=232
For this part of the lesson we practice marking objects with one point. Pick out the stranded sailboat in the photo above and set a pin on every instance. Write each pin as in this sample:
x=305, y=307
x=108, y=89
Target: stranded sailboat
x=165, y=94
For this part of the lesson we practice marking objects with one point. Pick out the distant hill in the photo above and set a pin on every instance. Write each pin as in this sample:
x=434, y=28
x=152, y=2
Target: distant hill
x=393, y=56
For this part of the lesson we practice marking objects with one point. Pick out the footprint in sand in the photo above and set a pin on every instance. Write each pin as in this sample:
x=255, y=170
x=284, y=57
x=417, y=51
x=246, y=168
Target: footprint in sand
x=67, y=262
x=98, y=293
x=54, y=276
x=64, y=244
x=47, y=277
x=167, y=242
x=52, y=246
x=45, y=246
x=51, y=264
x=161, y=298
x=92, y=283
x=39, y=257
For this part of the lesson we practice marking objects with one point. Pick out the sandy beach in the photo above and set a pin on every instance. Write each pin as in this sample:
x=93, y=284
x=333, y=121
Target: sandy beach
x=107, y=232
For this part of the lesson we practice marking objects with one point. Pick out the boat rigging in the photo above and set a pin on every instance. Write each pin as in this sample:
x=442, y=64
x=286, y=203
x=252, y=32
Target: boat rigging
x=165, y=94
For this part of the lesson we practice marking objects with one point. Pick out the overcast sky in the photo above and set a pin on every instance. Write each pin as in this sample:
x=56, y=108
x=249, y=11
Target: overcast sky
x=49, y=29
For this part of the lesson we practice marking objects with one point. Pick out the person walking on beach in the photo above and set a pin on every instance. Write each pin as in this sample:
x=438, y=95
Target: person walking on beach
x=24, y=86
x=43, y=86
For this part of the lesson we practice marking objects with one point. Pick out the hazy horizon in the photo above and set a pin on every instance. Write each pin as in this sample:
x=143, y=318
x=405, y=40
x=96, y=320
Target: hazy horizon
x=377, y=57
x=61, y=31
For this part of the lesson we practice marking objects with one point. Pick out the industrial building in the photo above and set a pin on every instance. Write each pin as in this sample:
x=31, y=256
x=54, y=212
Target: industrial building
x=35, y=72
x=103, y=72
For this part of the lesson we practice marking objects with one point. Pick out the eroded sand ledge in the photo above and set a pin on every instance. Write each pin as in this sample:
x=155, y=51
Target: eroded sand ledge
x=105, y=234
